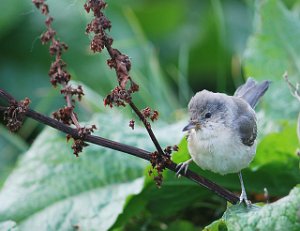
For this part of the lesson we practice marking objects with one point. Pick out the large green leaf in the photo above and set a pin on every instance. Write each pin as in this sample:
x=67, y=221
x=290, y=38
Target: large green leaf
x=9, y=16
x=92, y=210
x=8, y=226
x=280, y=215
x=273, y=49
x=52, y=190
x=174, y=196
x=11, y=147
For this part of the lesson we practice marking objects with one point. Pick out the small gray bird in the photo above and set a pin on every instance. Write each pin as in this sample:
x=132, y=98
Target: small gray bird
x=222, y=130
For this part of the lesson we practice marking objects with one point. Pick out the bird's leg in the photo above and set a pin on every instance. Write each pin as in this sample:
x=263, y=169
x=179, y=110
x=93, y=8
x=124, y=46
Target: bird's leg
x=243, y=196
x=183, y=166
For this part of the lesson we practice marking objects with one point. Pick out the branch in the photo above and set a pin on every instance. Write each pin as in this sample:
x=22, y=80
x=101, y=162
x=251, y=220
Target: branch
x=120, y=62
x=148, y=128
x=112, y=53
x=60, y=76
x=294, y=89
x=140, y=153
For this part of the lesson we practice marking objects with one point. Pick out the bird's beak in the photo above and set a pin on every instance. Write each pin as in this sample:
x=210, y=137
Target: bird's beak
x=192, y=124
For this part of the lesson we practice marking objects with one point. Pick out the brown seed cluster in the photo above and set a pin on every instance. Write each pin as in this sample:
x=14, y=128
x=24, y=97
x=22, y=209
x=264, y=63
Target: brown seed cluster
x=79, y=144
x=131, y=124
x=98, y=25
x=117, y=97
x=64, y=115
x=60, y=76
x=40, y=4
x=15, y=114
x=67, y=114
x=68, y=90
x=84, y=131
x=58, y=73
x=121, y=94
x=149, y=113
x=159, y=163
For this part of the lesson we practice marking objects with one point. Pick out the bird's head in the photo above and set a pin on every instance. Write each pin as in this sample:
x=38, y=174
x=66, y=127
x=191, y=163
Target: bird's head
x=208, y=111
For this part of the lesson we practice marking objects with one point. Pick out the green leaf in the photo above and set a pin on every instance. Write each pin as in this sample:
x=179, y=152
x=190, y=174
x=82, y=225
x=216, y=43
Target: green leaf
x=171, y=12
x=52, y=190
x=218, y=225
x=165, y=201
x=280, y=215
x=92, y=210
x=277, y=147
x=11, y=15
x=11, y=147
x=181, y=225
x=272, y=50
x=8, y=226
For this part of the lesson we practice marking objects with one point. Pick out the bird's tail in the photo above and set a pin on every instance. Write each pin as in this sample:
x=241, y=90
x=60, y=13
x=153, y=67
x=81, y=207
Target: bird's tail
x=251, y=91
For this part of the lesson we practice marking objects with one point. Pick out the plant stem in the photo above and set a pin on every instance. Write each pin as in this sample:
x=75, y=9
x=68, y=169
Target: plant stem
x=148, y=128
x=134, y=107
x=140, y=153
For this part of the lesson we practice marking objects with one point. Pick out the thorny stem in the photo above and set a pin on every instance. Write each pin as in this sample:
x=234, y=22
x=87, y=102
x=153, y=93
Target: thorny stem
x=140, y=153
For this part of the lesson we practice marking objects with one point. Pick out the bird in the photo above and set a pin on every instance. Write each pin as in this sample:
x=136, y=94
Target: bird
x=222, y=130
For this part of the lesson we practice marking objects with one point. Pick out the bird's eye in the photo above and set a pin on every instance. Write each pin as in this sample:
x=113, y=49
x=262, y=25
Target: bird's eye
x=207, y=115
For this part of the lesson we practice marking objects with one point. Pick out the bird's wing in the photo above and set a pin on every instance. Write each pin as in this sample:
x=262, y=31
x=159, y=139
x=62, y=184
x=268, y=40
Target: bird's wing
x=244, y=121
x=247, y=129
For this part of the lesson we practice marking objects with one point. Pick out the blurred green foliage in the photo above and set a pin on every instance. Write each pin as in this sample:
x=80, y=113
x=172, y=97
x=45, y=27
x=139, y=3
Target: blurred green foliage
x=177, y=48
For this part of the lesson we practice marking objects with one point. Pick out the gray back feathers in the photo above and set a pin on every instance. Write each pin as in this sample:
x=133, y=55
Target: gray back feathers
x=251, y=91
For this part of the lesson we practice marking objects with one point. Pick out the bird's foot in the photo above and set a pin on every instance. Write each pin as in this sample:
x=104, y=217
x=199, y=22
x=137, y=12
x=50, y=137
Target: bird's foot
x=243, y=198
x=182, y=167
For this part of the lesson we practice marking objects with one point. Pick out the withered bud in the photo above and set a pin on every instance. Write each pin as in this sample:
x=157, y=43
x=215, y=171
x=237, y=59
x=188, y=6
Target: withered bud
x=15, y=114
x=131, y=124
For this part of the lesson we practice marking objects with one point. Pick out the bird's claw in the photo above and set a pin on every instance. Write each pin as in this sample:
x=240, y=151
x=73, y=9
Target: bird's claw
x=243, y=198
x=182, y=167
